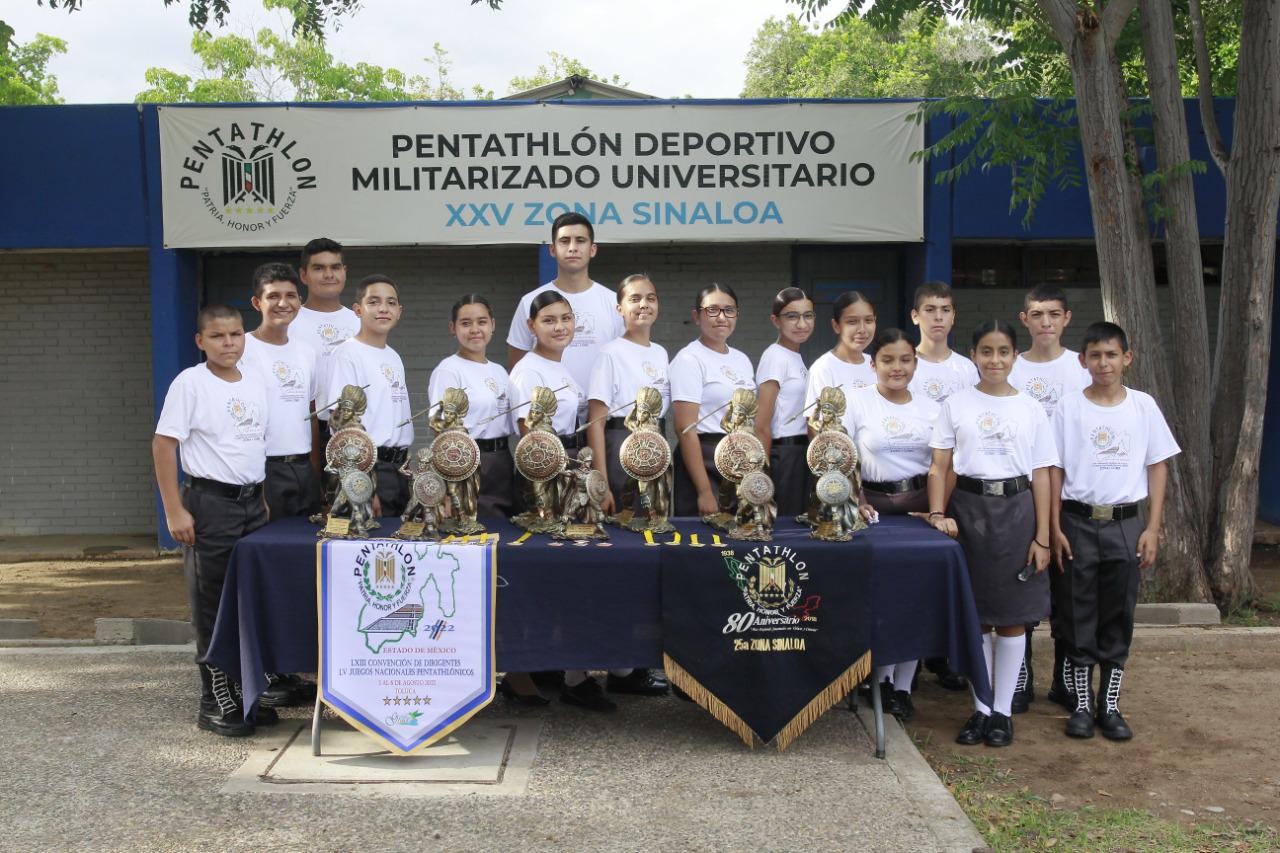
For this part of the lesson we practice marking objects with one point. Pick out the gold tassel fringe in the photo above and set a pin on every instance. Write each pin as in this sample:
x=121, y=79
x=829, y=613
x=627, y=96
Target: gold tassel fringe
x=835, y=691
x=678, y=676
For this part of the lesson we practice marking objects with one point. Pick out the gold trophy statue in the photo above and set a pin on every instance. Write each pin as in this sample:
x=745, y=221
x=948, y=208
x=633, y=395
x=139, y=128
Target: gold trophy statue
x=349, y=455
x=737, y=454
x=645, y=456
x=833, y=510
x=456, y=458
x=757, y=510
x=542, y=460
x=421, y=518
x=580, y=515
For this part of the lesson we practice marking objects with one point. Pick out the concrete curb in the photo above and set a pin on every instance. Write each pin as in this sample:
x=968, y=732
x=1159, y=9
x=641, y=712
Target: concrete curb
x=1177, y=613
x=142, y=632
x=19, y=629
x=1160, y=638
x=951, y=827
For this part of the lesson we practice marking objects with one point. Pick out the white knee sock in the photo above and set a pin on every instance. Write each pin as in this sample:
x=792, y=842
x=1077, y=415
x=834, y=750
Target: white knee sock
x=621, y=673
x=1008, y=660
x=574, y=677
x=903, y=673
x=978, y=705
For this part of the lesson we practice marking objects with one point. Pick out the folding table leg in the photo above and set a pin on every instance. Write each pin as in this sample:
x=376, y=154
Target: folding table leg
x=878, y=715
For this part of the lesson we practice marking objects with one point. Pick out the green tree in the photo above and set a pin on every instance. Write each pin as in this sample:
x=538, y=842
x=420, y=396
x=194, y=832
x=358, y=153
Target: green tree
x=561, y=67
x=24, y=75
x=855, y=60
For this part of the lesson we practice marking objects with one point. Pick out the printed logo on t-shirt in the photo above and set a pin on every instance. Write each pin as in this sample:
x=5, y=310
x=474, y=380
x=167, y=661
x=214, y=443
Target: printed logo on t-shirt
x=732, y=375
x=495, y=389
x=288, y=382
x=995, y=434
x=332, y=335
x=395, y=382
x=1044, y=392
x=584, y=330
x=899, y=437
x=936, y=390
x=1110, y=448
x=656, y=374
x=246, y=418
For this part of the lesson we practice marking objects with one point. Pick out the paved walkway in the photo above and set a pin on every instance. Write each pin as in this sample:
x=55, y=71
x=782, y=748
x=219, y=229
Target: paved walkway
x=101, y=753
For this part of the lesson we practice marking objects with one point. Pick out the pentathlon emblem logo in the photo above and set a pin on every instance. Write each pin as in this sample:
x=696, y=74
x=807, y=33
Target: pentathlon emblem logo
x=770, y=578
x=248, y=179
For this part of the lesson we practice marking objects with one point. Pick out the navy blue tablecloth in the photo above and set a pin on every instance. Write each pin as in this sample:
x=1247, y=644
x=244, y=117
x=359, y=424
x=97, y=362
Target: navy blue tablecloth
x=589, y=606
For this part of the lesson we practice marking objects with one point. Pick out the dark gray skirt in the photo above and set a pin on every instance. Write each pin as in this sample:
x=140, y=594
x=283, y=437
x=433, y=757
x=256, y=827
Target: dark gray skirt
x=899, y=504
x=995, y=534
x=792, y=481
x=686, y=498
x=497, y=484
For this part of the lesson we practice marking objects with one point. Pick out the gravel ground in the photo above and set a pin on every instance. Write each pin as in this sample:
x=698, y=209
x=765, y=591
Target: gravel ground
x=101, y=753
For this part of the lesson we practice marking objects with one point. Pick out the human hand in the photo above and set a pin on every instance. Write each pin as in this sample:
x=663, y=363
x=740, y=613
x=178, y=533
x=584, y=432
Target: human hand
x=377, y=507
x=607, y=505
x=182, y=526
x=1038, y=554
x=1148, y=544
x=707, y=503
x=945, y=525
x=1061, y=549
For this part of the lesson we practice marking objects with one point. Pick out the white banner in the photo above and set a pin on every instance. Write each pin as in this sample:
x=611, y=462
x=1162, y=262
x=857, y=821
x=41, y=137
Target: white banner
x=500, y=173
x=406, y=635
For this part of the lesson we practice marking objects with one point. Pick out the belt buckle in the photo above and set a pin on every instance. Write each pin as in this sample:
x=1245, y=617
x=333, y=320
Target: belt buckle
x=1101, y=513
x=993, y=488
x=246, y=492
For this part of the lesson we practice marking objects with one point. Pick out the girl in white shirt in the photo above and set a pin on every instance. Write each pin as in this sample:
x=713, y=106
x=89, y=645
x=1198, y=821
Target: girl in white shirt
x=1000, y=445
x=623, y=367
x=845, y=366
x=488, y=393
x=781, y=383
x=704, y=376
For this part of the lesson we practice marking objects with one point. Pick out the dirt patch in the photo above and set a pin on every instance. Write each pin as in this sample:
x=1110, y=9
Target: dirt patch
x=1202, y=721
x=68, y=596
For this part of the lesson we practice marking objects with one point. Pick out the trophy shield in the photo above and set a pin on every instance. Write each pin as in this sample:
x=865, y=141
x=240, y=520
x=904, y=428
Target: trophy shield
x=645, y=455
x=455, y=455
x=832, y=451
x=738, y=454
x=351, y=448
x=540, y=457
x=429, y=488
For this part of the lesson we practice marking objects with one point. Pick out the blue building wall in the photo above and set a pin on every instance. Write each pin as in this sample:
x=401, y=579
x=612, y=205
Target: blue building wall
x=86, y=177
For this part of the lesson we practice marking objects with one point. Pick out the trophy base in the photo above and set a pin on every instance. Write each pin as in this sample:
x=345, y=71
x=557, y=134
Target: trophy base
x=828, y=532
x=463, y=527
x=341, y=528
x=416, y=531
x=623, y=519
x=720, y=521
x=751, y=533
x=531, y=523
x=581, y=531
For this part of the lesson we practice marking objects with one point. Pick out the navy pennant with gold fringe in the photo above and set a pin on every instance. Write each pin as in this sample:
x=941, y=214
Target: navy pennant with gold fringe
x=766, y=637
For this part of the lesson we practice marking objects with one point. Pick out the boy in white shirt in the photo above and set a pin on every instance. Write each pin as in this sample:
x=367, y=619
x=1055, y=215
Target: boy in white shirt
x=1046, y=372
x=323, y=322
x=597, y=321
x=367, y=361
x=215, y=418
x=940, y=371
x=1114, y=446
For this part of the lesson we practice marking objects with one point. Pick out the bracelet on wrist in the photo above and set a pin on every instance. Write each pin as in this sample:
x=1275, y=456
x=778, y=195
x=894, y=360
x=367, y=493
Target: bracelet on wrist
x=938, y=514
x=1037, y=541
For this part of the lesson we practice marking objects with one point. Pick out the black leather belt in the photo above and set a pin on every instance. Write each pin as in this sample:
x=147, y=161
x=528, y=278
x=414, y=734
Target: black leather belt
x=1111, y=512
x=577, y=441
x=394, y=455
x=787, y=440
x=898, y=487
x=226, y=490
x=993, y=488
x=621, y=423
x=488, y=445
x=292, y=457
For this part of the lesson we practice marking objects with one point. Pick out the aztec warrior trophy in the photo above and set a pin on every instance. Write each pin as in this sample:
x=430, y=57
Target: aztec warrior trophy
x=645, y=456
x=427, y=491
x=349, y=458
x=833, y=459
x=455, y=457
x=740, y=460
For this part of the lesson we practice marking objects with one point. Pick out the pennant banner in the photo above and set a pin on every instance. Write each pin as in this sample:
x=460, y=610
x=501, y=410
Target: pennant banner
x=768, y=637
x=406, y=635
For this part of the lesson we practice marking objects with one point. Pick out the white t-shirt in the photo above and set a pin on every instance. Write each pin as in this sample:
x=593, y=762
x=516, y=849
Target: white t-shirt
x=1049, y=381
x=488, y=392
x=829, y=370
x=323, y=331
x=356, y=363
x=534, y=370
x=781, y=365
x=221, y=426
x=623, y=368
x=892, y=438
x=937, y=380
x=288, y=372
x=703, y=376
x=595, y=312
x=994, y=438
x=1105, y=450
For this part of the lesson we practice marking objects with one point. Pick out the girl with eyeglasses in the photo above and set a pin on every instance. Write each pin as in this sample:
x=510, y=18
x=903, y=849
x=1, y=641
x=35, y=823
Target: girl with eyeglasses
x=704, y=376
x=781, y=380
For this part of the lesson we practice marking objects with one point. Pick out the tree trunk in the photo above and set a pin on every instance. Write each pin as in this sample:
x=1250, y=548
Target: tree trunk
x=1125, y=265
x=1185, y=539
x=1248, y=282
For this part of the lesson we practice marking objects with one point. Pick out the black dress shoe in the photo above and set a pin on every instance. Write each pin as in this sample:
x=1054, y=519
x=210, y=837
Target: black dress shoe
x=286, y=691
x=265, y=716
x=1080, y=724
x=974, y=730
x=906, y=708
x=548, y=678
x=1021, y=702
x=952, y=680
x=999, y=730
x=1113, y=726
x=888, y=702
x=587, y=695
x=638, y=682
x=531, y=700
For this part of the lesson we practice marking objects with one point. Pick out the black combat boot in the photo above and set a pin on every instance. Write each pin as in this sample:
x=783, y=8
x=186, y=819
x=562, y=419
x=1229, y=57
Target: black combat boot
x=220, y=712
x=1025, y=693
x=1060, y=691
x=1080, y=723
x=1110, y=721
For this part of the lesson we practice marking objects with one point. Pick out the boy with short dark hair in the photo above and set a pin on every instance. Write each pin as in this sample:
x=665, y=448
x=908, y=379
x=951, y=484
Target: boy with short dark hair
x=323, y=322
x=1114, y=446
x=367, y=360
x=940, y=371
x=1047, y=372
x=215, y=417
